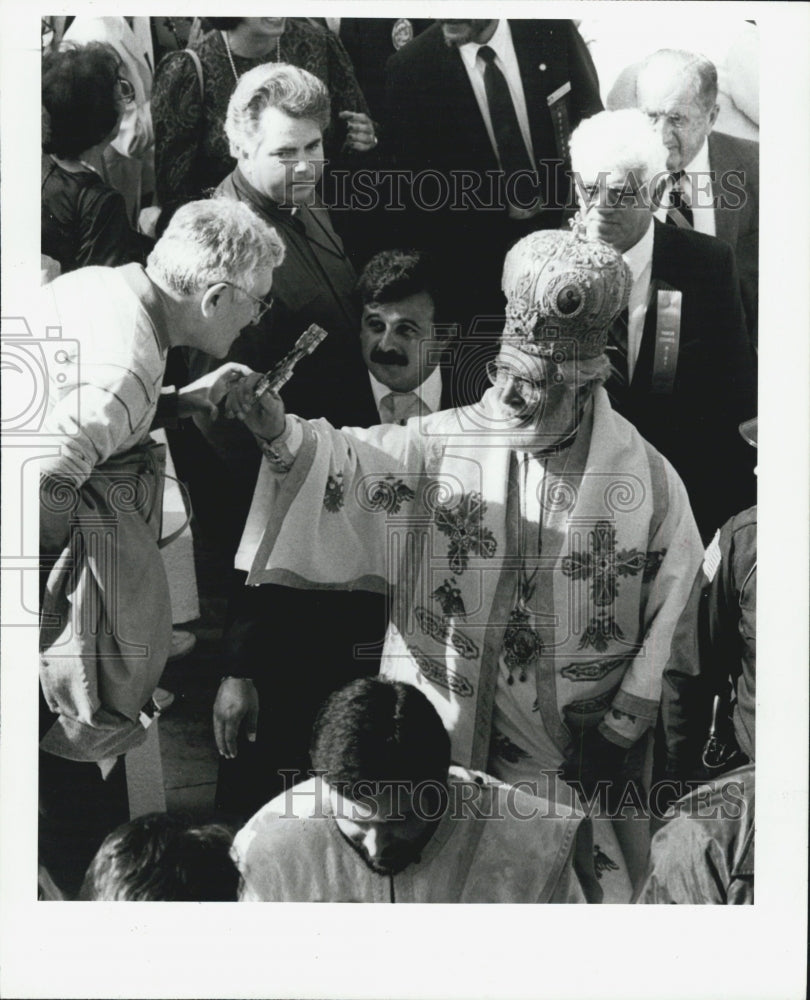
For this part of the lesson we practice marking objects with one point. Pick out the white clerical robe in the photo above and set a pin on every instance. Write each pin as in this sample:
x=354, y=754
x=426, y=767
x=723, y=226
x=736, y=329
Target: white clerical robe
x=494, y=844
x=581, y=617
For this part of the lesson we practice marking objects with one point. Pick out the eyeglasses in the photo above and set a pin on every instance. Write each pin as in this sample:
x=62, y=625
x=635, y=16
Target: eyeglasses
x=260, y=306
x=500, y=375
x=125, y=90
x=674, y=120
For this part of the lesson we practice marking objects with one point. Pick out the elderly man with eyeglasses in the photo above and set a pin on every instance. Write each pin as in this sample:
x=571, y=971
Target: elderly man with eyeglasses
x=538, y=550
x=106, y=614
x=684, y=368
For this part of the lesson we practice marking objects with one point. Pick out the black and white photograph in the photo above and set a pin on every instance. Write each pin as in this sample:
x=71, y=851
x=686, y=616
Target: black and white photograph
x=385, y=423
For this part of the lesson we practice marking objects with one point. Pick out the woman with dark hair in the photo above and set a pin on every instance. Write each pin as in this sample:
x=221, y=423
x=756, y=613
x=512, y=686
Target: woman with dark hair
x=189, y=103
x=84, y=221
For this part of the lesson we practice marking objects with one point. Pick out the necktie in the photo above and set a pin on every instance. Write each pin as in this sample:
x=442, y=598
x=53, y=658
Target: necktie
x=512, y=150
x=398, y=407
x=679, y=212
x=618, y=348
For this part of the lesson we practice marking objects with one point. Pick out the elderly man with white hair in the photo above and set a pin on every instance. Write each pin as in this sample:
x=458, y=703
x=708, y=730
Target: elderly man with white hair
x=684, y=369
x=106, y=614
x=713, y=185
x=539, y=549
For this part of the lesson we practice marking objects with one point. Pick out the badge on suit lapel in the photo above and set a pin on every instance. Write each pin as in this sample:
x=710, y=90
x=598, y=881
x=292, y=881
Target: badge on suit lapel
x=669, y=303
x=558, y=107
x=401, y=33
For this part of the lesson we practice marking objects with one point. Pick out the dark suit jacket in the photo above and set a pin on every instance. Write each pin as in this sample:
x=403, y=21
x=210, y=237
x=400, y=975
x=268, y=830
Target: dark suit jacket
x=314, y=284
x=370, y=44
x=433, y=115
x=433, y=123
x=696, y=425
x=735, y=190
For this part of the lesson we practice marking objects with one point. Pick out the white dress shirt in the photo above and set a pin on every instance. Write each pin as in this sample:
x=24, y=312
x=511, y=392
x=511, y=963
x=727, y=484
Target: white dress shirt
x=430, y=392
x=639, y=259
x=697, y=193
x=502, y=45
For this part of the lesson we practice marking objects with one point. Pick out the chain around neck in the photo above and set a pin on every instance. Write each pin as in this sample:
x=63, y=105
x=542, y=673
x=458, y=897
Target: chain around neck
x=230, y=57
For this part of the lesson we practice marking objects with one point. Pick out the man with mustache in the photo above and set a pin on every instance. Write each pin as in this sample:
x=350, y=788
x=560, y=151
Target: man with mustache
x=403, y=335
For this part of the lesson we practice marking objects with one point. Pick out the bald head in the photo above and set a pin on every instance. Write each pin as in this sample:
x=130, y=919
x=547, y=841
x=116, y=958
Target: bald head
x=677, y=90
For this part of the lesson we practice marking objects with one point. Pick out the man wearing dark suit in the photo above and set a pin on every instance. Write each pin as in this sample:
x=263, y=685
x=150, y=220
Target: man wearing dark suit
x=299, y=644
x=719, y=187
x=685, y=371
x=482, y=110
x=370, y=43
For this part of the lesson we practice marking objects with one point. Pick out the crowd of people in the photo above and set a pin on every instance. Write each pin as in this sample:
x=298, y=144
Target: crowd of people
x=490, y=547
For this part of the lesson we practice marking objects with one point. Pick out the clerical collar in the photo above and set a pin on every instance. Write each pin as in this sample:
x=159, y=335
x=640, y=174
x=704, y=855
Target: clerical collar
x=266, y=204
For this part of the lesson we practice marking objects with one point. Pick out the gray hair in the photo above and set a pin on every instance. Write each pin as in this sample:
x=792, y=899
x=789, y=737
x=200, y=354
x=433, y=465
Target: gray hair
x=211, y=241
x=294, y=91
x=701, y=69
x=622, y=141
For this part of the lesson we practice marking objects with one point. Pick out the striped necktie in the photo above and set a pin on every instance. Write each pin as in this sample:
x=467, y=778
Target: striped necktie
x=679, y=212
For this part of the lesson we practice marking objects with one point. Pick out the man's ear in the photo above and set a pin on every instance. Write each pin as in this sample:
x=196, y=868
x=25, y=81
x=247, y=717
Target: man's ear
x=212, y=299
x=713, y=116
